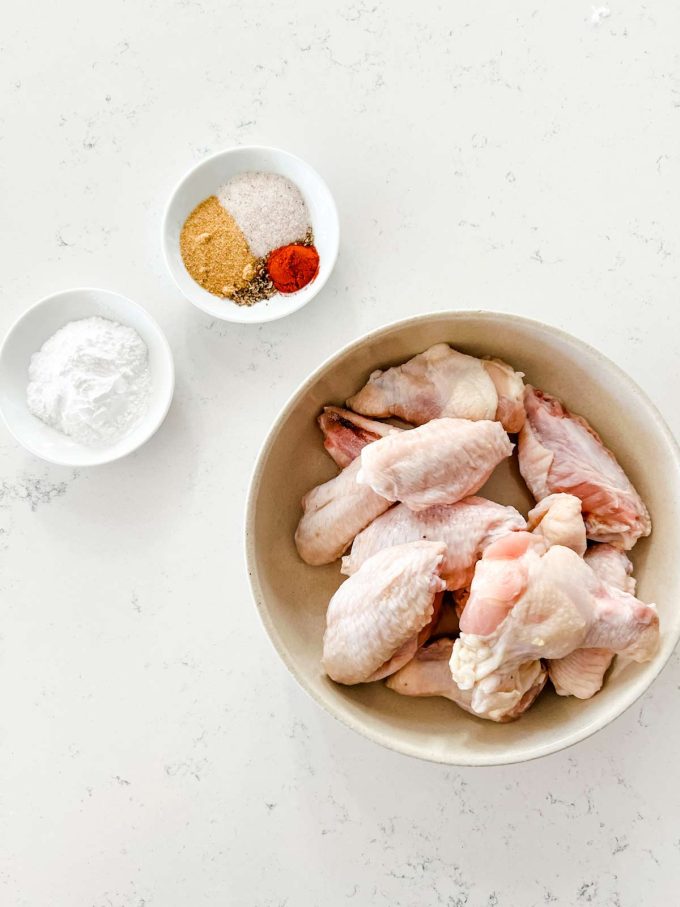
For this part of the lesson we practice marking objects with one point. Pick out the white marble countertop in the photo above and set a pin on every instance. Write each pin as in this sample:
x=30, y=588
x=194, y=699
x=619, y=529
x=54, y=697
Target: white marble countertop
x=155, y=753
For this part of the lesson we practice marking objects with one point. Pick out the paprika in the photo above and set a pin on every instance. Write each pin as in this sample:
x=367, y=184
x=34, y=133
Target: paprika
x=292, y=267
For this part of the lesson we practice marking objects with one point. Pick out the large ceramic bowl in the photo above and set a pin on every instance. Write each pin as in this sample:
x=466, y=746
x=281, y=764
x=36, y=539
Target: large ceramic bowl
x=292, y=597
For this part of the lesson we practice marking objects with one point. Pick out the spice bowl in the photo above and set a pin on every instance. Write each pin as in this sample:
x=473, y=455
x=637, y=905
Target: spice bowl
x=203, y=181
x=27, y=336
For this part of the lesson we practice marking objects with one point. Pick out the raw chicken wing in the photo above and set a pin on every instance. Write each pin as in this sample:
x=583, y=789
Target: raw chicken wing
x=438, y=383
x=466, y=528
x=346, y=433
x=380, y=609
x=524, y=606
x=439, y=463
x=559, y=451
x=581, y=672
x=429, y=674
x=333, y=513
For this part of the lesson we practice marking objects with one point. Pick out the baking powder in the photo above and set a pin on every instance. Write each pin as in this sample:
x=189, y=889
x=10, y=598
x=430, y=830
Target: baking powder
x=91, y=381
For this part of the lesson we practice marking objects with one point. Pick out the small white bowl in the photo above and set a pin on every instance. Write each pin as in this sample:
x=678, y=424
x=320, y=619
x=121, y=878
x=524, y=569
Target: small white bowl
x=37, y=325
x=204, y=180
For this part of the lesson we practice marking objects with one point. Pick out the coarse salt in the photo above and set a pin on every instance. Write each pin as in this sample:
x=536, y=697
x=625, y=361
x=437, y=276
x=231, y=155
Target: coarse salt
x=268, y=208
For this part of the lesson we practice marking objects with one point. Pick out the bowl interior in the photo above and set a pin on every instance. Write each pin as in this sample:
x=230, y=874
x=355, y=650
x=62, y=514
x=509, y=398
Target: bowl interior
x=204, y=180
x=292, y=597
x=28, y=335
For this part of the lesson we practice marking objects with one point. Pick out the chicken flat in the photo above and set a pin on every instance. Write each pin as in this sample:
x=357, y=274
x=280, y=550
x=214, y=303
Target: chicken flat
x=410, y=648
x=466, y=528
x=380, y=609
x=441, y=383
x=439, y=463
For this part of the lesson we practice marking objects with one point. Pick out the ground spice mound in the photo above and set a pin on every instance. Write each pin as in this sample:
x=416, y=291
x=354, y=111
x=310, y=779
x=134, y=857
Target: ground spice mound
x=292, y=267
x=215, y=251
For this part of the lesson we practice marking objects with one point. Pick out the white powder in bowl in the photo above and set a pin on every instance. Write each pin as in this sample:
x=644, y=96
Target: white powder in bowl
x=90, y=381
x=269, y=210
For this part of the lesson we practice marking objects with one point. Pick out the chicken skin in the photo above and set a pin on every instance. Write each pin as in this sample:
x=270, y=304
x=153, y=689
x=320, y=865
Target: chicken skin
x=441, y=383
x=466, y=528
x=612, y=565
x=581, y=672
x=441, y=462
x=557, y=520
x=410, y=648
x=332, y=515
x=380, y=609
x=510, y=391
